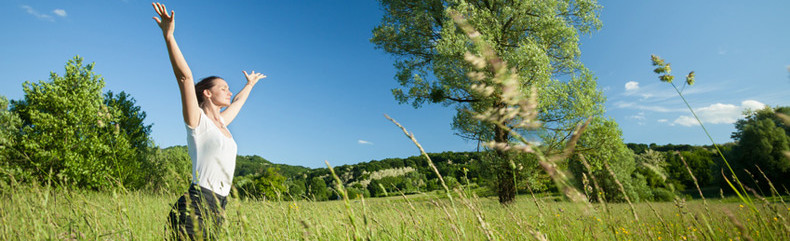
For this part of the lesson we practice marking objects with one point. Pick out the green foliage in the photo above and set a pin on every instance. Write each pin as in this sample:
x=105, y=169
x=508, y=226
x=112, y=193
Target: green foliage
x=130, y=119
x=251, y=165
x=172, y=171
x=296, y=189
x=268, y=184
x=68, y=131
x=761, y=138
x=10, y=157
x=602, y=143
x=537, y=39
x=317, y=189
x=701, y=163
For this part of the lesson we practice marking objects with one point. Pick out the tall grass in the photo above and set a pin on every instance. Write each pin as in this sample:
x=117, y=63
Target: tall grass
x=46, y=213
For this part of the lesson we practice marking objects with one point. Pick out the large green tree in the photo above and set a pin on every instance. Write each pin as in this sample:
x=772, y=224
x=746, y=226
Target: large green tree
x=131, y=119
x=68, y=134
x=761, y=138
x=537, y=38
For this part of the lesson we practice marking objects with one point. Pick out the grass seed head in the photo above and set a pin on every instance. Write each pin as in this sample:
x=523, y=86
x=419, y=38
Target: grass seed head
x=690, y=78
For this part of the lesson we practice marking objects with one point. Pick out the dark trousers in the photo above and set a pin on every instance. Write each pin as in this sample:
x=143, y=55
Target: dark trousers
x=197, y=215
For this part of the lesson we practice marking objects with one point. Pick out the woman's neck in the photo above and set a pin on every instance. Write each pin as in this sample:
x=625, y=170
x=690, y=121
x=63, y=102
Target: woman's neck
x=212, y=111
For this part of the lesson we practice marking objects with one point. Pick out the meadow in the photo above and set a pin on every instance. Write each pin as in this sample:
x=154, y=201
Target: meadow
x=30, y=212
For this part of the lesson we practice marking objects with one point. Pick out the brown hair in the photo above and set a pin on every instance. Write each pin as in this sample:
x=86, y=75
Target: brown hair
x=204, y=84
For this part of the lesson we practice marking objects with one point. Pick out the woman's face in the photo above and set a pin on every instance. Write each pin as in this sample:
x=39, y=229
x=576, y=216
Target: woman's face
x=220, y=93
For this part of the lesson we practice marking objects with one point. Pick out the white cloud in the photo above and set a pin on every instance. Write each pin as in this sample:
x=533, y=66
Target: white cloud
x=719, y=113
x=38, y=15
x=60, y=12
x=685, y=120
x=364, y=142
x=752, y=105
x=662, y=120
x=631, y=85
x=640, y=116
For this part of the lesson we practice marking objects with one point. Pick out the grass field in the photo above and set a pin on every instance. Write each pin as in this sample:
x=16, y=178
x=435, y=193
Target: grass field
x=40, y=213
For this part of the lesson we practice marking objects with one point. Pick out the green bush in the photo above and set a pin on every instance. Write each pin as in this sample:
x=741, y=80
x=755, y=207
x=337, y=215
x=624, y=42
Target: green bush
x=663, y=195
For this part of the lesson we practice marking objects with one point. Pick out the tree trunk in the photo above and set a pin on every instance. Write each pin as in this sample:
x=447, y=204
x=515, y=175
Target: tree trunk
x=506, y=186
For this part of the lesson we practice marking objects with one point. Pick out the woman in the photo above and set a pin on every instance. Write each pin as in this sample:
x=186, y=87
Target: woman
x=212, y=148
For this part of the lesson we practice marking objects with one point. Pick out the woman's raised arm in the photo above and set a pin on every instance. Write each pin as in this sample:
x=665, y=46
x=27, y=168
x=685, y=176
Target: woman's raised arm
x=186, y=84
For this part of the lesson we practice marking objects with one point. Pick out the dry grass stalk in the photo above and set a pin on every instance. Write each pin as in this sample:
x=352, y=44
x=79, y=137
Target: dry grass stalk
x=342, y=191
x=622, y=189
x=422, y=151
x=435, y=170
x=655, y=212
x=742, y=230
x=449, y=218
x=771, y=184
x=696, y=184
x=479, y=215
x=599, y=191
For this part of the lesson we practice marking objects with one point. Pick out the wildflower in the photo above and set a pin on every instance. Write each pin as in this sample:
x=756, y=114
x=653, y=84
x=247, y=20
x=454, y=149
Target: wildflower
x=740, y=205
x=776, y=220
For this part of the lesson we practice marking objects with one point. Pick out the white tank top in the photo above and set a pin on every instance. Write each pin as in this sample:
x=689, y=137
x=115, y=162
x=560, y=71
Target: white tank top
x=213, y=155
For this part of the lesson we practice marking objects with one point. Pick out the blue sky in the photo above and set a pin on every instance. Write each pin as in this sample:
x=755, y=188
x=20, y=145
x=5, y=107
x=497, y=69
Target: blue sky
x=328, y=87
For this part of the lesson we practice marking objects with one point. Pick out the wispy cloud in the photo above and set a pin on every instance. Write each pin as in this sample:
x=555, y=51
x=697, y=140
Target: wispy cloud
x=654, y=108
x=364, y=142
x=36, y=14
x=659, y=91
x=30, y=10
x=60, y=12
x=722, y=52
x=640, y=116
x=719, y=113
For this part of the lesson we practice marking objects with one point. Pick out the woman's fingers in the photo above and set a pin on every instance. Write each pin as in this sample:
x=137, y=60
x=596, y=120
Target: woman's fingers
x=164, y=10
x=156, y=8
x=157, y=20
x=252, y=76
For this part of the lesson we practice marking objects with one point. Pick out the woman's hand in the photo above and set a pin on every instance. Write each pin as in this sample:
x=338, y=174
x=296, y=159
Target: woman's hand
x=253, y=77
x=167, y=22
